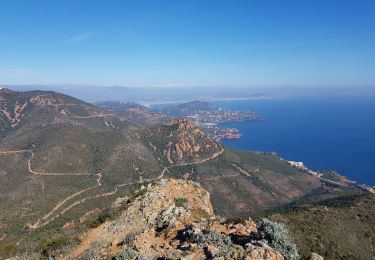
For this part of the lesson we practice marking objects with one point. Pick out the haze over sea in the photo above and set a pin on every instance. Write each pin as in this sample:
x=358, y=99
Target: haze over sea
x=324, y=133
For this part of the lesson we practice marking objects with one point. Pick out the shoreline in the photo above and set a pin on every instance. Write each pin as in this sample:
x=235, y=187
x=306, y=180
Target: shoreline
x=343, y=180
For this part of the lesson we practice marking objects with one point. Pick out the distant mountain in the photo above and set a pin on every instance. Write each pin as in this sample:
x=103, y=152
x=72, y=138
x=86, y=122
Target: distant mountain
x=136, y=112
x=120, y=105
x=187, y=109
x=160, y=93
x=21, y=110
x=64, y=161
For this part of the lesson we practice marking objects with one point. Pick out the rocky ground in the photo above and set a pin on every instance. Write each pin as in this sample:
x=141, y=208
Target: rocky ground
x=173, y=219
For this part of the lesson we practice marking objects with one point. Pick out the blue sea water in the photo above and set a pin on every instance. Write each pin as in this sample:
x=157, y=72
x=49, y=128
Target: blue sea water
x=324, y=133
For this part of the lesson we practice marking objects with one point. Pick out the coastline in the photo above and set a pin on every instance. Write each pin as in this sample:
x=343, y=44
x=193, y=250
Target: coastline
x=343, y=180
x=316, y=131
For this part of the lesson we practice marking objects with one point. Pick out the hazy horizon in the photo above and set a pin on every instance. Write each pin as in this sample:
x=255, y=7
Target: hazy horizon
x=183, y=94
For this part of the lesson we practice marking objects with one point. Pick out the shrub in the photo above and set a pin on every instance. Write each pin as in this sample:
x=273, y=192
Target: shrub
x=126, y=255
x=91, y=254
x=197, y=185
x=277, y=236
x=103, y=216
x=180, y=202
x=128, y=239
x=9, y=250
x=199, y=213
x=47, y=246
x=94, y=252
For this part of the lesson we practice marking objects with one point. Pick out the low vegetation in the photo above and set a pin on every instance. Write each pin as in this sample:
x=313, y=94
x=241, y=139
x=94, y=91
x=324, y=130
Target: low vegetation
x=341, y=228
x=181, y=202
x=50, y=246
x=277, y=236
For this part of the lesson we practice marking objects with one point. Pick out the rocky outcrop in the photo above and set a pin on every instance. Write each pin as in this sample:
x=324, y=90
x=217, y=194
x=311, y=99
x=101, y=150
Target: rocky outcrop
x=180, y=142
x=45, y=100
x=189, y=142
x=172, y=219
x=13, y=113
x=5, y=91
x=188, y=133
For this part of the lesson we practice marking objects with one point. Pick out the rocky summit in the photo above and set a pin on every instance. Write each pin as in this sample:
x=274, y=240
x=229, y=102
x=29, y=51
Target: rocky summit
x=172, y=219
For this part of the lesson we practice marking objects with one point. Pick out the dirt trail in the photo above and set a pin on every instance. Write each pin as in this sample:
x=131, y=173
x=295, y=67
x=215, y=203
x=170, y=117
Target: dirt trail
x=106, y=194
x=29, y=166
x=47, y=218
x=5, y=123
x=241, y=170
x=93, y=116
x=60, y=203
x=39, y=223
x=13, y=152
x=220, y=177
x=142, y=181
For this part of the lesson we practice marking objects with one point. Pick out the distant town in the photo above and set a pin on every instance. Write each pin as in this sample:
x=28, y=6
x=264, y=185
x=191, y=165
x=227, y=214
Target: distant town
x=208, y=117
x=208, y=120
x=214, y=117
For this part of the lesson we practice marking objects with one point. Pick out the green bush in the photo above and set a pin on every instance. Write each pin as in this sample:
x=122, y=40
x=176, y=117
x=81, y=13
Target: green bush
x=103, y=216
x=277, y=236
x=128, y=239
x=47, y=246
x=8, y=250
x=92, y=254
x=180, y=202
x=199, y=213
x=126, y=255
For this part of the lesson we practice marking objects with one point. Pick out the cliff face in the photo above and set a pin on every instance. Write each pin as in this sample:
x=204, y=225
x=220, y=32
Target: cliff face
x=172, y=219
x=181, y=141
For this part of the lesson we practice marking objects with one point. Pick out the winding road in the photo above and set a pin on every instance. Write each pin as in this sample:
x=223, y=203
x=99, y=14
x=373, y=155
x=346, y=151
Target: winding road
x=51, y=215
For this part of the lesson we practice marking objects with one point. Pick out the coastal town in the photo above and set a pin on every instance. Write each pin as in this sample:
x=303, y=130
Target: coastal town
x=209, y=117
x=209, y=120
x=214, y=117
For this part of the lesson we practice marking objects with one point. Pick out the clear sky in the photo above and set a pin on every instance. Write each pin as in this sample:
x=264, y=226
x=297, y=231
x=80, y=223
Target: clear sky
x=186, y=42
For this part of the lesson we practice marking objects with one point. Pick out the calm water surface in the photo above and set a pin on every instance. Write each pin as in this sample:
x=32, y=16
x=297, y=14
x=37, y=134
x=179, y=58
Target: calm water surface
x=324, y=133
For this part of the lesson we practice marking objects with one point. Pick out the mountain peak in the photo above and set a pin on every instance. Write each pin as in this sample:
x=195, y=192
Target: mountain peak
x=182, y=124
x=4, y=90
x=173, y=219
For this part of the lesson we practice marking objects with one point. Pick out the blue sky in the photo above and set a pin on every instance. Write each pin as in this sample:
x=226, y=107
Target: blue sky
x=188, y=43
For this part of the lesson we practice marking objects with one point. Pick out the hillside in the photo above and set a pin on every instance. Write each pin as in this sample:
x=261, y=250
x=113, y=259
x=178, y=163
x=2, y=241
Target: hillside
x=180, y=141
x=57, y=167
x=20, y=110
x=136, y=112
x=342, y=228
x=187, y=109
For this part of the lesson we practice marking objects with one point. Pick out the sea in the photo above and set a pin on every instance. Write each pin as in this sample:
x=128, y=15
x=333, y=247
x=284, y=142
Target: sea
x=325, y=133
